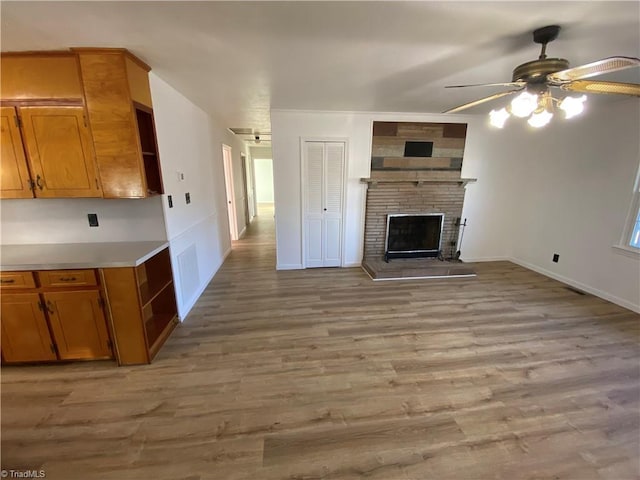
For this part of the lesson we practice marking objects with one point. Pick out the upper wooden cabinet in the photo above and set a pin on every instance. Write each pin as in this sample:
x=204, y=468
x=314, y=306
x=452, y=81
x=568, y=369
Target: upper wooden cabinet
x=40, y=76
x=87, y=125
x=59, y=159
x=59, y=151
x=15, y=181
x=118, y=98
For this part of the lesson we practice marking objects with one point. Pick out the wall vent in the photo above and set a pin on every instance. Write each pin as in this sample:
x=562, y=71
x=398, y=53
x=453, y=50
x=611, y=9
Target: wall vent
x=189, y=274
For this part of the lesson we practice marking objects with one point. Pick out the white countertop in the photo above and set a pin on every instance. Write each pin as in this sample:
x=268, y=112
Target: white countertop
x=56, y=256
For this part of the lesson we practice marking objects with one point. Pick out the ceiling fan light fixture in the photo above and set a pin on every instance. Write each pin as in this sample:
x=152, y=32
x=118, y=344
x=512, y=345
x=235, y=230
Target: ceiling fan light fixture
x=497, y=118
x=524, y=104
x=540, y=118
x=572, y=106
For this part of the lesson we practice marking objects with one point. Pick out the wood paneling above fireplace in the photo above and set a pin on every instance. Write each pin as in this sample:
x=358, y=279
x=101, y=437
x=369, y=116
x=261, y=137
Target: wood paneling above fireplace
x=395, y=143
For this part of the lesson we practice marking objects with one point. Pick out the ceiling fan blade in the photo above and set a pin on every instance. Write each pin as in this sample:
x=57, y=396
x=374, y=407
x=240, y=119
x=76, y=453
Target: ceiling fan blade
x=504, y=84
x=482, y=100
x=593, y=86
x=606, y=65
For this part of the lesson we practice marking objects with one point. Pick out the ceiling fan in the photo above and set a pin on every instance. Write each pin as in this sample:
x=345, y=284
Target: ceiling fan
x=535, y=79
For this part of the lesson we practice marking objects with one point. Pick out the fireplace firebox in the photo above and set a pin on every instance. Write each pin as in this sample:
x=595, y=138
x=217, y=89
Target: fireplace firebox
x=414, y=235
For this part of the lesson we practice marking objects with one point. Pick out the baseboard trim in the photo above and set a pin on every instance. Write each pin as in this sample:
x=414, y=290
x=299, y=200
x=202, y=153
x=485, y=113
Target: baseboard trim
x=594, y=291
x=203, y=287
x=352, y=265
x=198, y=294
x=485, y=259
x=289, y=266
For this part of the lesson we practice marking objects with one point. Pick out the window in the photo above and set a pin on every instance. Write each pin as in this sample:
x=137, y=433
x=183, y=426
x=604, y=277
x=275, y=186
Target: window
x=631, y=236
x=635, y=234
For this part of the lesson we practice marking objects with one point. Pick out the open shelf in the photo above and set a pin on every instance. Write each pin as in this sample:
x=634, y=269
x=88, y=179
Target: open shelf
x=149, y=146
x=157, y=298
x=148, y=293
x=143, y=307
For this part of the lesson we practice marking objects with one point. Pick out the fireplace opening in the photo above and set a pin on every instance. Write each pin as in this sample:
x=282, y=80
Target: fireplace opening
x=414, y=235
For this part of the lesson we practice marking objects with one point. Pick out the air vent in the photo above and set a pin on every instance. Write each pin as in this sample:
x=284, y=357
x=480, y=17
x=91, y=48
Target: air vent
x=241, y=131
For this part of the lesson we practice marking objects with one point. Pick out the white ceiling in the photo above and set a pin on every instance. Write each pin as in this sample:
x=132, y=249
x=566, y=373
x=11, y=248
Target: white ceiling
x=237, y=60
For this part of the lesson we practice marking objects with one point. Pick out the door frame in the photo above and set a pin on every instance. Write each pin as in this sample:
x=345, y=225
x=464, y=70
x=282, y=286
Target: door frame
x=245, y=186
x=345, y=176
x=227, y=163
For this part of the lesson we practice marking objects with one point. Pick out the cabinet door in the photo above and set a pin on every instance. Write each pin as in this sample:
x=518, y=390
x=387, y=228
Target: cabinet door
x=14, y=175
x=25, y=335
x=78, y=325
x=60, y=152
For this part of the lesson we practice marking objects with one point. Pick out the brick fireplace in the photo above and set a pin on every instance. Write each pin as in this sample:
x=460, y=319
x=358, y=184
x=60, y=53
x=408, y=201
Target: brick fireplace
x=415, y=169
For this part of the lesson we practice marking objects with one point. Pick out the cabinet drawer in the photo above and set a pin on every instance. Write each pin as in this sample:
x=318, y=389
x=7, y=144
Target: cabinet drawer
x=64, y=278
x=16, y=280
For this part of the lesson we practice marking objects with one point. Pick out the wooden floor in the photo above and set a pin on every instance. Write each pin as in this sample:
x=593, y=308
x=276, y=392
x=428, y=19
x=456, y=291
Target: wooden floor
x=324, y=374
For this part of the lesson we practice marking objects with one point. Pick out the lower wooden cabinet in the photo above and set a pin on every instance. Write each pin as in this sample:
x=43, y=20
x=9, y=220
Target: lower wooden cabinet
x=78, y=325
x=52, y=315
x=25, y=334
x=143, y=309
x=43, y=323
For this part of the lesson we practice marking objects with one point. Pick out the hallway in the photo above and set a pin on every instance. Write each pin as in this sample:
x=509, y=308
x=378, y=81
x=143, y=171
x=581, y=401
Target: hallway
x=324, y=374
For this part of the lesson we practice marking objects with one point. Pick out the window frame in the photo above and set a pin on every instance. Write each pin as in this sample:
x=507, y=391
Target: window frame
x=633, y=216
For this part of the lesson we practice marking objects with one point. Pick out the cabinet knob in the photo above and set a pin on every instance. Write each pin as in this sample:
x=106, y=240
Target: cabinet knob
x=49, y=307
x=39, y=182
x=10, y=280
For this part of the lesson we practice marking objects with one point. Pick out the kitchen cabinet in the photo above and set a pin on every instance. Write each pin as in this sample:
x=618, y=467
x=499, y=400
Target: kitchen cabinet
x=15, y=180
x=59, y=160
x=78, y=324
x=143, y=307
x=124, y=308
x=25, y=334
x=118, y=98
x=87, y=126
x=52, y=315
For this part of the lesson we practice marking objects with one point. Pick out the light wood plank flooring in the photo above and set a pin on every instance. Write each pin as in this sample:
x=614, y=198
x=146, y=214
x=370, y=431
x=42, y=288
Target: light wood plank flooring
x=324, y=374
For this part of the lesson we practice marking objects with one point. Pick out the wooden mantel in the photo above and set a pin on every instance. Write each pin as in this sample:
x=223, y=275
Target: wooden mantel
x=418, y=181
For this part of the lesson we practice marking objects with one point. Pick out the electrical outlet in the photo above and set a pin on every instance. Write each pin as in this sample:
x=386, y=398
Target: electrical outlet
x=556, y=257
x=93, y=219
x=187, y=198
x=170, y=200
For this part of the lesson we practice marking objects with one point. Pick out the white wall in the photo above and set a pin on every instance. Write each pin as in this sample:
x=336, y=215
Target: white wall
x=577, y=187
x=260, y=152
x=190, y=141
x=538, y=192
x=289, y=126
x=263, y=168
x=64, y=220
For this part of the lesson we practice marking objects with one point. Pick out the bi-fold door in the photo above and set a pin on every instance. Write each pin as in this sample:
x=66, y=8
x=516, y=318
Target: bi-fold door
x=324, y=165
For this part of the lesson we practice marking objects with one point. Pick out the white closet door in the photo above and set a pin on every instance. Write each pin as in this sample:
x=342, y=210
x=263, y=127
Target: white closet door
x=323, y=203
x=333, y=188
x=314, y=203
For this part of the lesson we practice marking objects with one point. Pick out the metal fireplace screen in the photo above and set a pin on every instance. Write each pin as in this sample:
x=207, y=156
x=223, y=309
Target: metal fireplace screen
x=414, y=235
